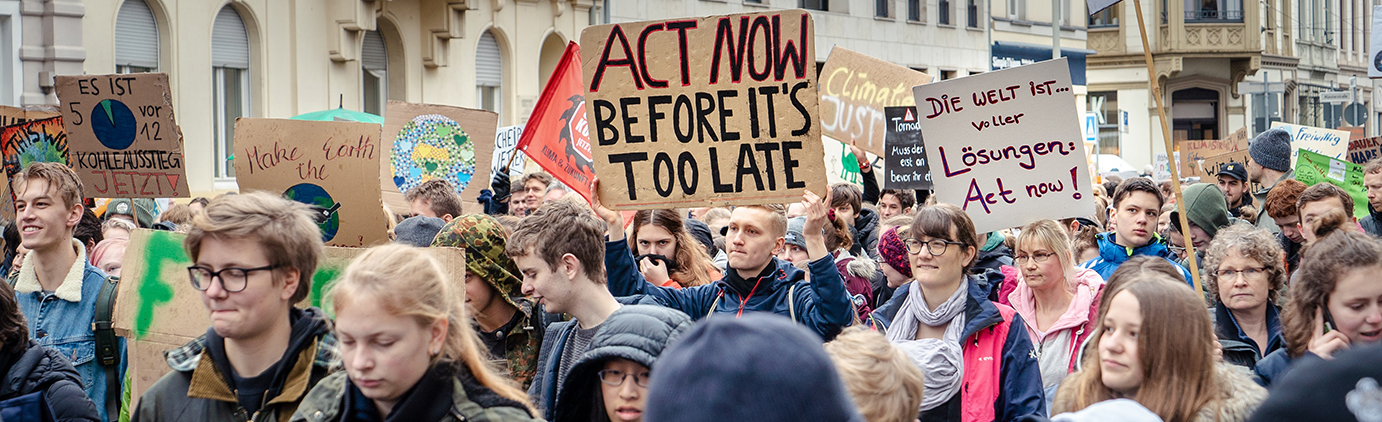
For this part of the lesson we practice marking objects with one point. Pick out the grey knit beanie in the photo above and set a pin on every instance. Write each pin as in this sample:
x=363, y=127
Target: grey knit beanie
x=418, y=231
x=1272, y=149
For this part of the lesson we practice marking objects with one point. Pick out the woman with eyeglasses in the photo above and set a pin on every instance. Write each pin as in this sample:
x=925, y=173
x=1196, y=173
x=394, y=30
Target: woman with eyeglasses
x=978, y=359
x=408, y=349
x=1058, y=300
x=610, y=381
x=1245, y=277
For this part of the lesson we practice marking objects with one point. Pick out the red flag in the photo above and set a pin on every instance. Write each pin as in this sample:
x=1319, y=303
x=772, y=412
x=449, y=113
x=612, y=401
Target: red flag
x=556, y=136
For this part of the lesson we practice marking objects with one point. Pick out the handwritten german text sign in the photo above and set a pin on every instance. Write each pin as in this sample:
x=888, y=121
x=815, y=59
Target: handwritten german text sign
x=854, y=90
x=122, y=139
x=1005, y=145
x=1327, y=142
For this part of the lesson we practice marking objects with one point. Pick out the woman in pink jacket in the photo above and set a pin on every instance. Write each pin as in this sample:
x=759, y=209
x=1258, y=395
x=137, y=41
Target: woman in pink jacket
x=1058, y=300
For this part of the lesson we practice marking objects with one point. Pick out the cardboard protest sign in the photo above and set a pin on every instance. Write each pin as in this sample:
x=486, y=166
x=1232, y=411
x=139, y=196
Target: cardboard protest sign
x=15, y=115
x=157, y=309
x=712, y=111
x=1196, y=151
x=1328, y=142
x=906, y=163
x=1313, y=168
x=38, y=141
x=331, y=166
x=436, y=142
x=1006, y=145
x=855, y=88
x=1360, y=151
x=505, y=149
x=123, y=141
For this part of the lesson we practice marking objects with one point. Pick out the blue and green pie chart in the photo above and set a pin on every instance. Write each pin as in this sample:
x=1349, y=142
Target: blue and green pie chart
x=114, y=124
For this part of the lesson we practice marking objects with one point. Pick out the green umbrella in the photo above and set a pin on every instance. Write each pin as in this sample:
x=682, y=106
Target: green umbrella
x=340, y=114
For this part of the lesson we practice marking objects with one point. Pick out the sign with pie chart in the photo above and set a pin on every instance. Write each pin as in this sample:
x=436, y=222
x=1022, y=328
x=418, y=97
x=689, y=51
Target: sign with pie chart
x=123, y=141
x=113, y=124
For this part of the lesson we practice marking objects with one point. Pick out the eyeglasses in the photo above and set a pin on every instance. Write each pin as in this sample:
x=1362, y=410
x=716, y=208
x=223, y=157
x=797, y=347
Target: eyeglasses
x=1249, y=273
x=1039, y=257
x=615, y=377
x=936, y=247
x=232, y=279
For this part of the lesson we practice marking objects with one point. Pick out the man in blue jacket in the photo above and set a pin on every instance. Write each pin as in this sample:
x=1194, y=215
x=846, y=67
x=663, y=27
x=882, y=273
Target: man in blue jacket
x=755, y=281
x=1136, y=207
x=56, y=287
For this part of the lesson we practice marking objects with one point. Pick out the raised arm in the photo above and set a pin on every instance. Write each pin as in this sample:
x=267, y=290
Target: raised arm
x=827, y=309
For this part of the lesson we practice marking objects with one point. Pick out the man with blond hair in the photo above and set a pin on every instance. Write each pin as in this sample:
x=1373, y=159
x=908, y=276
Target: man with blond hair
x=56, y=286
x=253, y=258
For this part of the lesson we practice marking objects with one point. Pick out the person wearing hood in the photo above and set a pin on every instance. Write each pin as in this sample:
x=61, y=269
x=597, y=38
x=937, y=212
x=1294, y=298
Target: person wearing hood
x=978, y=359
x=1372, y=179
x=1245, y=276
x=30, y=368
x=493, y=294
x=761, y=367
x=756, y=281
x=1136, y=208
x=847, y=202
x=993, y=255
x=610, y=382
x=1058, y=301
x=408, y=350
x=1155, y=346
x=253, y=257
x=1269, y=163
x=1232, y=179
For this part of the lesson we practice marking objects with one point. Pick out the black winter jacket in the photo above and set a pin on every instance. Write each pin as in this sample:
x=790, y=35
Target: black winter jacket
x=39, y=368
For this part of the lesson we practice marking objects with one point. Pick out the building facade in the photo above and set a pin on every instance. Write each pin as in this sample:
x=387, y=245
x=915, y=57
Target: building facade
x=280, y=58
x=1223, y=65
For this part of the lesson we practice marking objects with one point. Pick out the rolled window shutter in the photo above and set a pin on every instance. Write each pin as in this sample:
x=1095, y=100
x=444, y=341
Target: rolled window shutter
x=136, y=36
x=230, y=44
x=489, y=62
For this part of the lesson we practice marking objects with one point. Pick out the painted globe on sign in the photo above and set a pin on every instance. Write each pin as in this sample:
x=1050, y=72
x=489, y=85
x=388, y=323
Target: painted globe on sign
x=113, y=124
x=330, y=221
x=429, y=147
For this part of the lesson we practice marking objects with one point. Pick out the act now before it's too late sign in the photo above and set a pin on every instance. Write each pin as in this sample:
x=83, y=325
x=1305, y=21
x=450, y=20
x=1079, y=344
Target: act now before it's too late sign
x=1006, y=146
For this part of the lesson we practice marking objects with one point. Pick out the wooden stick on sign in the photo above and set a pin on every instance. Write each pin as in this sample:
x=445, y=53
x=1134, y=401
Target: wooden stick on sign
x=1166, y=136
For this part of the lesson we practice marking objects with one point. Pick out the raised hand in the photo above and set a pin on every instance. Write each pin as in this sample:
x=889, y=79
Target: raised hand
x=613, y=219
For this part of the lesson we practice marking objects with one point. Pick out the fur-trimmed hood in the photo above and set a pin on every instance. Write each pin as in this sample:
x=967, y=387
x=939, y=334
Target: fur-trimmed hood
x=1239, y=396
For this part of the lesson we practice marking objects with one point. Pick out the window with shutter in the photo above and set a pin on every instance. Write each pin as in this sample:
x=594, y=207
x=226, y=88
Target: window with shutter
x=136, y=38
x=374, y=66
x=489, y=74
x=230, y=65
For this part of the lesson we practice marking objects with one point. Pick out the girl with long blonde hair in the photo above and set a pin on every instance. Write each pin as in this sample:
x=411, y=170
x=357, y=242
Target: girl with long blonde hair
x=408, y=348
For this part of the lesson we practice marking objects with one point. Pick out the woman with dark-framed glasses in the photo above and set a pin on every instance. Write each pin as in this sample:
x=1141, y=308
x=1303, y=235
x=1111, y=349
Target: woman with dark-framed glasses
x=1058, y=300
x=976, y=355
x=610, y=381
x=1245, y=276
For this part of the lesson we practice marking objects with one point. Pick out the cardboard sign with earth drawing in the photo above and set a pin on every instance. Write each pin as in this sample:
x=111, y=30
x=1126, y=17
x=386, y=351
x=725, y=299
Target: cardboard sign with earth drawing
x=157, y=309
x=426, y=141
x=332, y=166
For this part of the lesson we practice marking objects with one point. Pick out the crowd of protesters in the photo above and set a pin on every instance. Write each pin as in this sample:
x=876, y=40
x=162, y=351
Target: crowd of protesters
x=854, y=304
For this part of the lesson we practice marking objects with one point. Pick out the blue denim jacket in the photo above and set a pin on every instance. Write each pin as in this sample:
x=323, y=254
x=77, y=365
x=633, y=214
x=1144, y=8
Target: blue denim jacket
x=61, y=320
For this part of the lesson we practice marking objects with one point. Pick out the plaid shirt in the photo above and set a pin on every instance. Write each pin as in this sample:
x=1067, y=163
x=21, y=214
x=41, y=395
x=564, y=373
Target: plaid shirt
x=185, y=358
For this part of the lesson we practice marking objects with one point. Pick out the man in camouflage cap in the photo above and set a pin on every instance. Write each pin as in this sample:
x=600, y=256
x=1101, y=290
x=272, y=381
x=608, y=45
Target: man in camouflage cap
x=504, y=317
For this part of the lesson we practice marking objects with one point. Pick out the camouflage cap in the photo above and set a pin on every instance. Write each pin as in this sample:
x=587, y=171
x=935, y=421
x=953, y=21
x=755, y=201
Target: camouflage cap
x=483, y=239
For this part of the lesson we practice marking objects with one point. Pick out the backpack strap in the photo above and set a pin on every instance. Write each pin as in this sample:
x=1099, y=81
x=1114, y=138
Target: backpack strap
x=792, y=303
x=107, y=343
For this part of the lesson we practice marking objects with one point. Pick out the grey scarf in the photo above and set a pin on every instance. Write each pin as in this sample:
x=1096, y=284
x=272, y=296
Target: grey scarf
x=941, y=360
